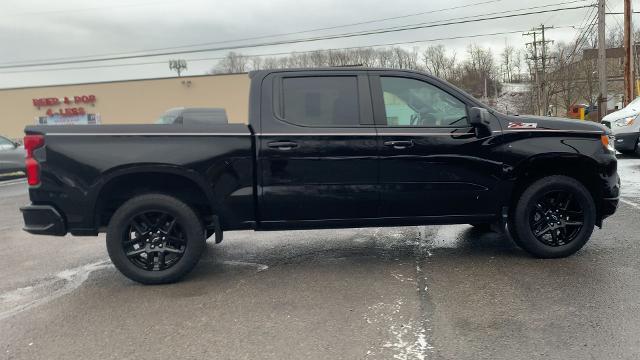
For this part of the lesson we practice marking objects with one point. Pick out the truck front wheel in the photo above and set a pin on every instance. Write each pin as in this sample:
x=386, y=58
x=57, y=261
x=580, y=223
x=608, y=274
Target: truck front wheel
x=155, y=239
x=554, y=217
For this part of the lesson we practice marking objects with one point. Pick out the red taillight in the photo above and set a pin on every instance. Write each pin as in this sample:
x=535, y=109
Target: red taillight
x=32, y=167
x=32, y=142
x=33, y=171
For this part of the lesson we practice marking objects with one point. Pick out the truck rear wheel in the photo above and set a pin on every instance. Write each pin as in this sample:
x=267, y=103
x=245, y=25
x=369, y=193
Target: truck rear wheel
x=155, y=239
x=554, y=217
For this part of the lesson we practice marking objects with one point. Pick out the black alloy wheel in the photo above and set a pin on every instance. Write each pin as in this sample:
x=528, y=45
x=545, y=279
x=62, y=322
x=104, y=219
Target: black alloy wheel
x=154, y=241
x=155, y=238
x=556, y=218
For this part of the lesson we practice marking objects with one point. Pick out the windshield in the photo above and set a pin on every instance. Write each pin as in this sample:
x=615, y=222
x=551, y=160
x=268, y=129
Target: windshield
x=635, y=104
x=169, y=117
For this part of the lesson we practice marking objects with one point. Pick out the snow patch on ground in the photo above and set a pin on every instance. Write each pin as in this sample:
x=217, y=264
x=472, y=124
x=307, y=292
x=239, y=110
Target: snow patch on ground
x=258, y=267
x=47, y=289
x=406, y=338
x=514, y=98
x=629, y=172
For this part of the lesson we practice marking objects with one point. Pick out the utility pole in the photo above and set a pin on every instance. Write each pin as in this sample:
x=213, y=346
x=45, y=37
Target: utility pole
x=534, y=57
x=545, y=105
x=486, y=95
x=540, y=72
x=495, y=91
x=602, y=62
x=629, y=48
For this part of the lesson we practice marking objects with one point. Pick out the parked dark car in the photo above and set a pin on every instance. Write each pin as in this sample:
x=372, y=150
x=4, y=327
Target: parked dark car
x=12, y=156
x=324, y=148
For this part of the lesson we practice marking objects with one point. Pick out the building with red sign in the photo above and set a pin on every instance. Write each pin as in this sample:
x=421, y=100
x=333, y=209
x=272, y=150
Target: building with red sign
x=121, y=102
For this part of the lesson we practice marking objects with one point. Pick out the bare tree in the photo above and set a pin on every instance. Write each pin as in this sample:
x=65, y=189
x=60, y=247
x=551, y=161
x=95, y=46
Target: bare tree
x=508, y=62
x=270, y=63
x=256, y=63
x=232, y=63
x=516, y=61
x=436, y=61
x=469, y=75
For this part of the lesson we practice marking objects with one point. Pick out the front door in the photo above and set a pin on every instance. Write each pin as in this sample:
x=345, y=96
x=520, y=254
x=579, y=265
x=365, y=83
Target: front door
x=431, y=161
x=317, y=148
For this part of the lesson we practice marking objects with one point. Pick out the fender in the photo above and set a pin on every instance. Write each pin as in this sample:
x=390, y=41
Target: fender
x=136, y=168
x=571, y=162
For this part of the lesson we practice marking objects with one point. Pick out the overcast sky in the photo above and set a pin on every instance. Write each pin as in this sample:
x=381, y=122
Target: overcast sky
x=36, y=30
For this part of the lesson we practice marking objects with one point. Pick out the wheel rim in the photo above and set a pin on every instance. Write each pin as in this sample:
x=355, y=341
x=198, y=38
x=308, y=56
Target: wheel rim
x=556, y=218
x=154, y=241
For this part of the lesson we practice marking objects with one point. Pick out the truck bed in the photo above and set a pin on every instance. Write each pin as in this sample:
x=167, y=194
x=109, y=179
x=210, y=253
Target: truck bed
x=84, y=166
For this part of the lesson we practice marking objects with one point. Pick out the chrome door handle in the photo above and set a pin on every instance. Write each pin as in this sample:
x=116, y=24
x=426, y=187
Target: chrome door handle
x=399, y=144
x=283, y=145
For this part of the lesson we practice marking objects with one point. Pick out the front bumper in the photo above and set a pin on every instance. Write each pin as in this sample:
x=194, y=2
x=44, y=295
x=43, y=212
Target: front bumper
x=609, y=202
x=626, y=141
x=608, y=207
x=43, y=220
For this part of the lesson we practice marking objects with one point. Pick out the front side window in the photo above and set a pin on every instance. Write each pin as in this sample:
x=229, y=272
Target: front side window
x=410, y=102
x=321, y=101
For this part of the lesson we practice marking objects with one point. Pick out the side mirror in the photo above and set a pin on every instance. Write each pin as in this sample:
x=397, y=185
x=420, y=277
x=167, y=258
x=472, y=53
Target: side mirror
x=479, y=117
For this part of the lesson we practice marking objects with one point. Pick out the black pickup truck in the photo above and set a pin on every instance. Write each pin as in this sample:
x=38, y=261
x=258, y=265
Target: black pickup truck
x=323, y=148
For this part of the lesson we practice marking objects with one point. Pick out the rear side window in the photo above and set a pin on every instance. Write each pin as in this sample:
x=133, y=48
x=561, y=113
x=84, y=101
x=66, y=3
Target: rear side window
x=321, y=101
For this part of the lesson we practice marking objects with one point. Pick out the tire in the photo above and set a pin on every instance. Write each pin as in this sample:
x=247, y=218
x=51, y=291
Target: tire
x=540, y=208
x=484, y=227
x=166, y=230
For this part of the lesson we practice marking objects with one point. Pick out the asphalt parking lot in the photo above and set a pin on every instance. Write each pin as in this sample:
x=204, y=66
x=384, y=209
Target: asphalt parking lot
x=435, y=292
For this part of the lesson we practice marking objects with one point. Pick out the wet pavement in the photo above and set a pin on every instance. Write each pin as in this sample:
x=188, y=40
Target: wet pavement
x=434, y=292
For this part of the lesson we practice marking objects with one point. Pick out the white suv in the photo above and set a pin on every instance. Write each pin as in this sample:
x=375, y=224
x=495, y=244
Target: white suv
x=625, y=125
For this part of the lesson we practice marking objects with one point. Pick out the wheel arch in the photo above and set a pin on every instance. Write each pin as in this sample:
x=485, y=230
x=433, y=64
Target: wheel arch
x=577, y=166
x=121, y=184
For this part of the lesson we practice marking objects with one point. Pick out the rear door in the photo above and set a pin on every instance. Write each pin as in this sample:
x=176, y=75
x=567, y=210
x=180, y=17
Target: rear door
x=431, y=161
x=317, y=147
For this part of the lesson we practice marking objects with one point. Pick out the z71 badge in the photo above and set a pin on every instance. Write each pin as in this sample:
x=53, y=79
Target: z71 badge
x=522, y=125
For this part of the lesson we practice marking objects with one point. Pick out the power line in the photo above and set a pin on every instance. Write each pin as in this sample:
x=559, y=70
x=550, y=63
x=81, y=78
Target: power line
x=291, y=33
x=294, y=41
x=615, y=17
x=110, y=6
x=283, y=53
x=582, y=36
x=313, y=30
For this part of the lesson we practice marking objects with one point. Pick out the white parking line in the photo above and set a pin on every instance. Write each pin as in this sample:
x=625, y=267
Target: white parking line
x=13, y=182
x=630, y=203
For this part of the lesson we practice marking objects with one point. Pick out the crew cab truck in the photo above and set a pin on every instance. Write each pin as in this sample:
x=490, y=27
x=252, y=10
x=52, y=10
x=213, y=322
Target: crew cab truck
x=323, y=148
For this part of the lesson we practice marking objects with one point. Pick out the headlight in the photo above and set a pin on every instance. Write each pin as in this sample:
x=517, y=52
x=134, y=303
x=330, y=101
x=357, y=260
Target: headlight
x=607, y=142
x=625, y=122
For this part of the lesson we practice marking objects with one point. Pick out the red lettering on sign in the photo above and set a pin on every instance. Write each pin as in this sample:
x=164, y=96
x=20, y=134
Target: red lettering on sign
x=70, y=111
x=84, y=99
